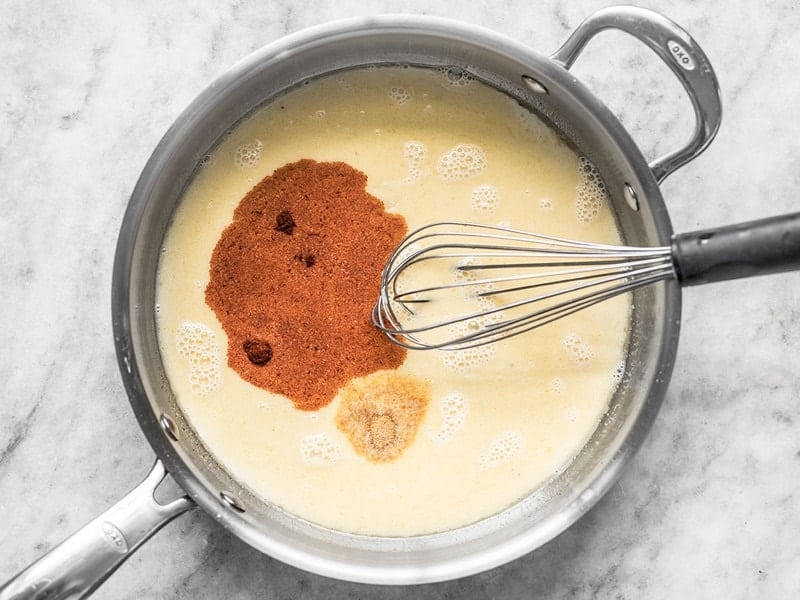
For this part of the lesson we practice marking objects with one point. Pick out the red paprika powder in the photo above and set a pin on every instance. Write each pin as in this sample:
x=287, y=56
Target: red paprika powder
x=293, y=279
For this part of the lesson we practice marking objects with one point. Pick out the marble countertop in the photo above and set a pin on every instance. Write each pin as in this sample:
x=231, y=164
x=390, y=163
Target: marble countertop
x=708, y=507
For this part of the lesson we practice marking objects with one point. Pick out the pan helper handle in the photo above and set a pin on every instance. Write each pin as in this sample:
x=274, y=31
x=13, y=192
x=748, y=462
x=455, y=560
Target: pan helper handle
x=76, y=567
x=770, y=245
x=681, y=54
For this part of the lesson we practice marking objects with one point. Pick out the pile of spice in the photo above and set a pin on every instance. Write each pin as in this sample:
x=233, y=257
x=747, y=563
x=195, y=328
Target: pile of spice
x=381, y=413
x=293, y=279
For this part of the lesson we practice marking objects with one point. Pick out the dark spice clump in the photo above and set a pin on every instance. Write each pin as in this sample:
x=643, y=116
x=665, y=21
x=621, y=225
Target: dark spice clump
x=258, y=352
x=318, y=320
x=307, y=259
x=284, y=222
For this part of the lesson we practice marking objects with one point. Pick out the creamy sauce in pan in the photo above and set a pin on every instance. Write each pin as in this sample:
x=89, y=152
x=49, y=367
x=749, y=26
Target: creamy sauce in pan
x=501, y=419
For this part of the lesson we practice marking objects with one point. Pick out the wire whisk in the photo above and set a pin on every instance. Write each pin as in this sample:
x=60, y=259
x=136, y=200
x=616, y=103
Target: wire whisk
x=454, y=286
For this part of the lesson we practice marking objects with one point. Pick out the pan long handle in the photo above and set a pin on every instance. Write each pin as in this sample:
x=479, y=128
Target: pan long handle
x=681, y=54
x=770, y=245
x=77, y=566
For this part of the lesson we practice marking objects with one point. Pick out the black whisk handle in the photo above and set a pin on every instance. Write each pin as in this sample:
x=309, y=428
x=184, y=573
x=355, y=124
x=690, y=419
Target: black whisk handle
x=770, y=245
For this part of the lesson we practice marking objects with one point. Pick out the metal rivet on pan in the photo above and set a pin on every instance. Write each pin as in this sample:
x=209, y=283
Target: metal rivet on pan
x=534, y=85
x=168, y=425
x=228, y=499
x=630, y=196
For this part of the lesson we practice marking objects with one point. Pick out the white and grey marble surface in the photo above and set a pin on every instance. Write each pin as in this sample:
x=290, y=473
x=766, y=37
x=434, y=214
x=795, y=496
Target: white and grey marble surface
x=709, y=507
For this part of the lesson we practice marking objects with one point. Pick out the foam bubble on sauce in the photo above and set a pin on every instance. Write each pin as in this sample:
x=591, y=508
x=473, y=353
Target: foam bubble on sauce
x=557, y=385
x=464, y=276
x=460, y=162
x=456, y=77
x=572, y=414
x=545, y=203
x=591, y=192
x=468, y=359
x=400, y=95
x=198, y=345
x=248, y=155
x=619, y=372
x=415, y=154
x=454, y=408
x=491, y=311
x=318, y=449
x=503, y=448
x=472, y=287
x=579, y=351
x=485, y=199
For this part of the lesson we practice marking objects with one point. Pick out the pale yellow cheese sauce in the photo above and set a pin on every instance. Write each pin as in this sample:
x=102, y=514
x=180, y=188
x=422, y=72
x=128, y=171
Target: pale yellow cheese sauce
x=502, y=418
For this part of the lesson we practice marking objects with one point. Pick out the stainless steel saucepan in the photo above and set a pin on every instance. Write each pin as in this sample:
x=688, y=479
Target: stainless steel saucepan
x=544, y=84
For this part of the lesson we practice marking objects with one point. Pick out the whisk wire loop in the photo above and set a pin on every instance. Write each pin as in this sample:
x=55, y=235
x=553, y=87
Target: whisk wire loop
x=533, y=280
